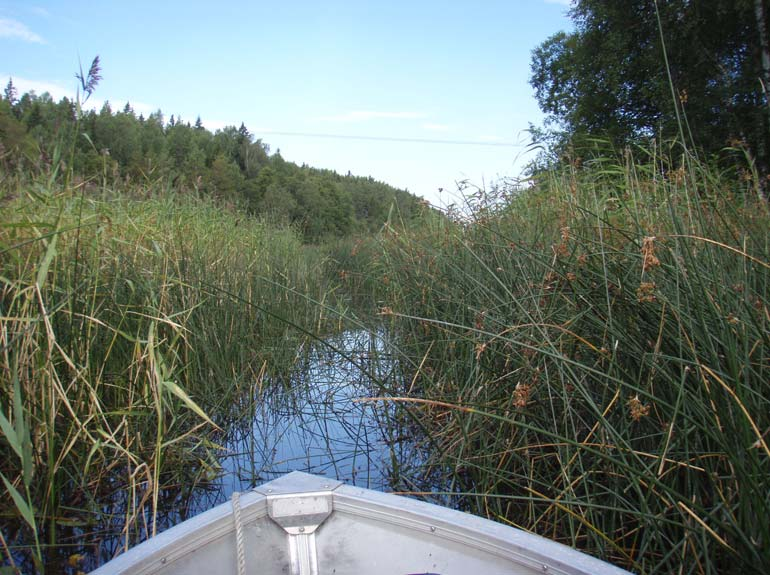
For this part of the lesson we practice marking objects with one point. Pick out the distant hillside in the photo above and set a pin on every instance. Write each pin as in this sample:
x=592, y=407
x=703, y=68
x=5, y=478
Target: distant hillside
x=38, y=135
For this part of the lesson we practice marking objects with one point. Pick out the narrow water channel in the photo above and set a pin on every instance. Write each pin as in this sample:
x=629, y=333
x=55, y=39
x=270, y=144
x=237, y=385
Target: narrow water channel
x=314, y=418
x=317, y=422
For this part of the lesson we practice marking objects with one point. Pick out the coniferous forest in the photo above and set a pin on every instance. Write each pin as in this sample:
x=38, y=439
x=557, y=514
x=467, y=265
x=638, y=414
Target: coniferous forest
x=109, y=148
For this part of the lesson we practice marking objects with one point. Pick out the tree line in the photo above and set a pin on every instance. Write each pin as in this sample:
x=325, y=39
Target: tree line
x=38, y=134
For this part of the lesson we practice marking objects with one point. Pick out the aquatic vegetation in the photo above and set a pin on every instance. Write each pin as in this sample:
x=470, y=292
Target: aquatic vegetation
x=585, y=357
x=126, y=329
x=591, y=358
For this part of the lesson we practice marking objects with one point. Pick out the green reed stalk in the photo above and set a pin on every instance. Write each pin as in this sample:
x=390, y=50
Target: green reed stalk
x=595, y=359
x=125, y=365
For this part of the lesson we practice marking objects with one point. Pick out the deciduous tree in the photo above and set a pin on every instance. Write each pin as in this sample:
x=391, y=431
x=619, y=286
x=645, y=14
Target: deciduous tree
x=640, y=68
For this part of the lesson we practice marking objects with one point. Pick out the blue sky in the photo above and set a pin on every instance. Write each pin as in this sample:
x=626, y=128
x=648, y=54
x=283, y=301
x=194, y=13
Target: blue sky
x=425, y=70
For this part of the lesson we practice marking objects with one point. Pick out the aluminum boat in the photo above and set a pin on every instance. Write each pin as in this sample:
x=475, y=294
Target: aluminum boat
x=303, y=524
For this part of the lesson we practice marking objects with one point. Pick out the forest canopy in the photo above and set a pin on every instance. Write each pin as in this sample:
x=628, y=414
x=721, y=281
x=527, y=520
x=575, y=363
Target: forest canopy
x=111, y=146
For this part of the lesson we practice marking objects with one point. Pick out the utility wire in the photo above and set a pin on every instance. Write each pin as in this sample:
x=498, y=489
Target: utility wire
x=393, y=139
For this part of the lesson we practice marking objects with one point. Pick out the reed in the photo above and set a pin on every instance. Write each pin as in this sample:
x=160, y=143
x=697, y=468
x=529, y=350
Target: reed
x=591, y=359
x=127, y=330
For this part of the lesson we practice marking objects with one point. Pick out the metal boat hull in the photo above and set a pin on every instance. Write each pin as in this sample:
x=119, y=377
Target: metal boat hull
x=301, y=524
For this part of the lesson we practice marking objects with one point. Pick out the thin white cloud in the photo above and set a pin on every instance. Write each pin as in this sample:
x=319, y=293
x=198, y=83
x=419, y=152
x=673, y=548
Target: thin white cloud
x=24, y=85
x=14, y=29
x=39, y=11
x=59, y=91
x=214, y=125
x=141, y=108
x=365, y=115
x=437, y=127
x=489, y=138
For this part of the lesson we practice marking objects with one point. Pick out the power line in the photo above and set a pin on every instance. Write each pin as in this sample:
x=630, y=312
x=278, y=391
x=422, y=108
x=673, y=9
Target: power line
x=393, y=139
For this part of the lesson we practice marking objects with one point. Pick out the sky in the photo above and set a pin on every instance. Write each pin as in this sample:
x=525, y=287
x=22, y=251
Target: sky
x=372, y=88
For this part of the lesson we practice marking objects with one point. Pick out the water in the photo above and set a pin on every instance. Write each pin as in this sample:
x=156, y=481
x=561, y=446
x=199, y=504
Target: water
x=315, y=418
x=320, y=422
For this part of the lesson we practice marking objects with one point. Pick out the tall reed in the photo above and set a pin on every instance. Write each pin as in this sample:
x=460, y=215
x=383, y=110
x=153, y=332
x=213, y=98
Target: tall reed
x=128, y=323
x=592, y=359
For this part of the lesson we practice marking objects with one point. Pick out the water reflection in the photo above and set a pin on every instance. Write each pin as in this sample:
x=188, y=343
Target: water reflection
x=314, y=422
x=308, y=419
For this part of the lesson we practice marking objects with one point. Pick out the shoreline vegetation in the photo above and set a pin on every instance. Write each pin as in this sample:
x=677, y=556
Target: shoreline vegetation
x=129, y=329
x=593, y=360
x=586, y=353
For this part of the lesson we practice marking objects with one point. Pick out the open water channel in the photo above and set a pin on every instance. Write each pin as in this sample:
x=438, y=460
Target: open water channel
x=321, y=420
x=317, y=418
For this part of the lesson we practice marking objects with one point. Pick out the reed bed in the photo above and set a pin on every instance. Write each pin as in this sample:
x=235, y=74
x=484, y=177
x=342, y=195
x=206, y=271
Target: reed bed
x=127, y=331
x=592, y=359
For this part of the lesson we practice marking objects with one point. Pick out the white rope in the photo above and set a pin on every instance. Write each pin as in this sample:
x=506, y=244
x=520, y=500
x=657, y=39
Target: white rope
x=236, y=501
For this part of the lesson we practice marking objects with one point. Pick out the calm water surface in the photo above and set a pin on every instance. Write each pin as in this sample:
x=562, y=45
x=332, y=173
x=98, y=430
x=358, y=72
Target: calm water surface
x=311, y=420
x=318, y=422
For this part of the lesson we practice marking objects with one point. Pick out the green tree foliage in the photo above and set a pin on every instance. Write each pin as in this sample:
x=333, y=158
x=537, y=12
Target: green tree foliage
x=230, y=164
x=610, y=76
x=17, y=147
x=225, y=179
x=10, y=93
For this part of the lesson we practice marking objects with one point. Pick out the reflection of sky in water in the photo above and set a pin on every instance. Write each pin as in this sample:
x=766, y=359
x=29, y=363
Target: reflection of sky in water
x=310, y=422
x=314, y=424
